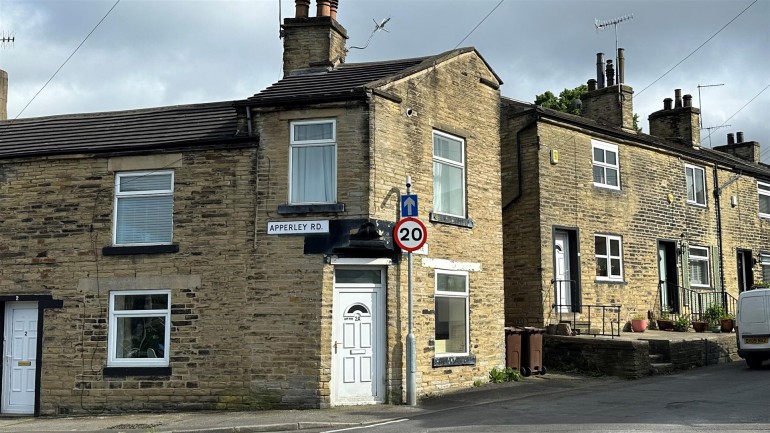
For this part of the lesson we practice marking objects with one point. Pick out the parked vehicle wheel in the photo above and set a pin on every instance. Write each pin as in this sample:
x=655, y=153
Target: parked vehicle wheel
x=542, y=370
x=754, y=363
x=525, y=371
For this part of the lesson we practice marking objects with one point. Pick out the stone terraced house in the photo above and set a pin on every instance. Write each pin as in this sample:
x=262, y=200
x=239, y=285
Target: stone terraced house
x=239, y=254
x=597, y=214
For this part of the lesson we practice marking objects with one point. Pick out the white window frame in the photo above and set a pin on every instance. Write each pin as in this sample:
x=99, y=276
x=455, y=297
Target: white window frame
x=150, y=193
x=112, y=337
x=694, y=200
x=294, y=143
x=606, y=147
x=764, y=262
x=455, y=295
x=699, y=258
x=609, y=257
x=449, y=162
x=763, y=193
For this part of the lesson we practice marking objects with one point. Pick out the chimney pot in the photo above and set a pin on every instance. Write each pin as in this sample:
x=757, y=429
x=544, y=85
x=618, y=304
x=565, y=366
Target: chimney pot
x=600, y=70
x=667, y=103
x=610, y=74
x=621, y=66
x=301, y=8
x=739, y=136
x=677, y=98
x=687, y=100
x=323, y=8
x=333, y=9
x=591, y=85
x=730, y=138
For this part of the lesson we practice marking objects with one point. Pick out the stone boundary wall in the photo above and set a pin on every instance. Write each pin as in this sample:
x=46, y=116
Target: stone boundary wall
x=631, y=358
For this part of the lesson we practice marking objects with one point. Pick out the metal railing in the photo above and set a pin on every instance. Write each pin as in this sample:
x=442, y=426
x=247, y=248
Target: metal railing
x=699, y=301
x=607, y=315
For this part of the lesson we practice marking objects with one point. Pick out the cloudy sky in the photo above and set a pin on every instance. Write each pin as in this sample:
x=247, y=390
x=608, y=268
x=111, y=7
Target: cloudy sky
x=150, y=53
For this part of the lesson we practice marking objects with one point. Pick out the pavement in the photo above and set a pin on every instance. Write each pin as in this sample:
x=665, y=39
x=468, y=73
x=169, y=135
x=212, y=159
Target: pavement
x=292, y=420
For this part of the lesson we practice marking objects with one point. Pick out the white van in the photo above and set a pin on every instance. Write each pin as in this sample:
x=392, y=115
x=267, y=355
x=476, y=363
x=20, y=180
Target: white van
x=753, y=330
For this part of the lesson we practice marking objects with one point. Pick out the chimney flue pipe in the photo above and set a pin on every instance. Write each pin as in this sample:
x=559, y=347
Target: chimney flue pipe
x=334, y=4
x=739, y=136
x=677, y=98
x=301, y=8
x=323, y=8
x=687, y=100
x=667, y=103
x=591, y=85
x=610, y=74
x=730, y=138
x=621, y=66
x=600, y=70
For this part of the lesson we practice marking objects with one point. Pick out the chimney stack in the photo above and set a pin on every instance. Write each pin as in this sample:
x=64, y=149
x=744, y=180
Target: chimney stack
x=746, y=150
x=739, y=137
x=3, y=95
x=680, y=124
x=313, y=43
x=611, y=105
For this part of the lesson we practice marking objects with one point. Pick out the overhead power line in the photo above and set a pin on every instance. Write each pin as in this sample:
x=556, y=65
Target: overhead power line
x=68, y=59
x=696, y=50
x=479, y=24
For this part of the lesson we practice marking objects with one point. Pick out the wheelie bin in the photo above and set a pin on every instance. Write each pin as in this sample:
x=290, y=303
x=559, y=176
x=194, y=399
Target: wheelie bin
x=513, y=347
x=532, y=351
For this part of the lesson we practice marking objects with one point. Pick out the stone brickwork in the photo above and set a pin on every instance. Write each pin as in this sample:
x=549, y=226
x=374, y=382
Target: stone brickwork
x=610, y=106
x=623, y=358
x=650, y=206
x=312, y=42
x=679, y=125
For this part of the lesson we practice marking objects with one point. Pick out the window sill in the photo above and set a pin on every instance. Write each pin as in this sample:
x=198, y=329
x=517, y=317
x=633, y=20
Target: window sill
x=695, y=204
x=453, y=361
x=607, y=188
x=139, y=249
x=286, y=209
x=616, y=282
x=136, y=371
x=451, y=220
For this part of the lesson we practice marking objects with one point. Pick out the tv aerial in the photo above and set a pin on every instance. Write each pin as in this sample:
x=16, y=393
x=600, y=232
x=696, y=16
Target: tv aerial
x=377, y=27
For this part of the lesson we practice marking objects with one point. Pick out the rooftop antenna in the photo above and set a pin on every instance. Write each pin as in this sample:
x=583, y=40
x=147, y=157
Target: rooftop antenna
x=377, y=27
x=700, y=101
x=7, y=40
x=711, y=129
x=603, y=25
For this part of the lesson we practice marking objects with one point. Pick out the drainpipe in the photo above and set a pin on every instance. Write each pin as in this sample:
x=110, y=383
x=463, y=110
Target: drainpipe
x=519, y=164
x=717, y=205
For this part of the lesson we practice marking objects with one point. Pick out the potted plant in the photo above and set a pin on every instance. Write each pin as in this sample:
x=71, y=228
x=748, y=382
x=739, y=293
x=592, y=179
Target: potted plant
x=682, y=323
x=638, y=323
x=664, y=320
x=727, y=322
x=700, y=325
x=713, y=315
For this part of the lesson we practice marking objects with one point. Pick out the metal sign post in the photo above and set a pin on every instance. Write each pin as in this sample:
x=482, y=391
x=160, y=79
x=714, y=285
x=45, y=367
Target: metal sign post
x=411, y=347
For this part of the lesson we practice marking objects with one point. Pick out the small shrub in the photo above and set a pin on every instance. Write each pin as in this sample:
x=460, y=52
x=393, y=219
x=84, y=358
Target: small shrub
x=713, y=314
x=512, y=375
x=498, y=375
x=477, y=383
x=682, y=323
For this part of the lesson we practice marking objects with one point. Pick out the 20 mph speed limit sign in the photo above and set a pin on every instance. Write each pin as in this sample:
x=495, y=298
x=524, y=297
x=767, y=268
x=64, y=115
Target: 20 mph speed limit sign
x=410, y=234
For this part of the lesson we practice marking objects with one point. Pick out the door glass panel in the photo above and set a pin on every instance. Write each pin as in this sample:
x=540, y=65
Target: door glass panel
x=358, y=276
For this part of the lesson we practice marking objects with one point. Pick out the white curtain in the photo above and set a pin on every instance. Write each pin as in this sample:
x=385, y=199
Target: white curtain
x=313, y=174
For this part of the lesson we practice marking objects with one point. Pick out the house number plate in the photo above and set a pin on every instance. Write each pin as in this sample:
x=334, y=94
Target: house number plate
x=755, y=340
x=25, y=363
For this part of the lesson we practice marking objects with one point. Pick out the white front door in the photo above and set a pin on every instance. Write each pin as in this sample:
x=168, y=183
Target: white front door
x=358, y=337
x=562, y=281
x=20, y=357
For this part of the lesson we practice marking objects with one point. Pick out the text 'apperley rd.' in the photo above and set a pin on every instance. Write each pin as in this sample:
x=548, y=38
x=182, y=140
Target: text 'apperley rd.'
x=297, y=227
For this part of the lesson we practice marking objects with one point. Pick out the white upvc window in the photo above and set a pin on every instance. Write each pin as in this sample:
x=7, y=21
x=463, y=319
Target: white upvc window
x=606, y=167
x=700, y=276
x=764, y=262
x=763, y=189
x=139, y=328
x=696, y=185
x=313, y=162
x=451, y=313
x=144, y=208
x=448, y=175
x=609, y=257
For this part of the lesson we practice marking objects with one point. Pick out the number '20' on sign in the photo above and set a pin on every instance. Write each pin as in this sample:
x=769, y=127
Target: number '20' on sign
x=410, y=234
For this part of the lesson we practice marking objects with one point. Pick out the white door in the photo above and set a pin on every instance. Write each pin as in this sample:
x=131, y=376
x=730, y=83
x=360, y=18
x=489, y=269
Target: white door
x=358, y=337
x=20, y=357
x=662, y=276
x=562, y=281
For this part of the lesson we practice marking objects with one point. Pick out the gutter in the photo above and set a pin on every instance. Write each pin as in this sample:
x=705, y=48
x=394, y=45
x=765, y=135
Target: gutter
x=519, y=164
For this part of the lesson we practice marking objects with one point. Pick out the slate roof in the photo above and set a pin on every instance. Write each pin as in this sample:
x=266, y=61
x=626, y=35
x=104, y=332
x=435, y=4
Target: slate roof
x=701, y=153
x=345, y=82
x=119, y=131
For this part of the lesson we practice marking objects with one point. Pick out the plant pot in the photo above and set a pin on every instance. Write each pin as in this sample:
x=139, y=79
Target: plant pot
x=727, y=325
x=700, y=326
x=638, y=325
x=716, y=329
x=665, y=324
